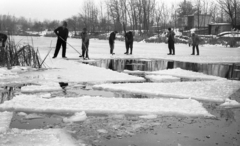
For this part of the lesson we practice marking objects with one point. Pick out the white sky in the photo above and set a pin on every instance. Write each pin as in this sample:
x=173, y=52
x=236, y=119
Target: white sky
x=46, y=9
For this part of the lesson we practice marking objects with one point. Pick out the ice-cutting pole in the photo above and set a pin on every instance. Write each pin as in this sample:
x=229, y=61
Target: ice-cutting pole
x=47, y=54
x=69, y=45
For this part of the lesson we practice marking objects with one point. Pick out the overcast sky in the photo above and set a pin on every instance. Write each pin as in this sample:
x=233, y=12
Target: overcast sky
x=46, y=9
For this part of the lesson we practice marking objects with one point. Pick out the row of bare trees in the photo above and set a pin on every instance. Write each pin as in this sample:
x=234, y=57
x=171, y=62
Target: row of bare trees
x=141, y=15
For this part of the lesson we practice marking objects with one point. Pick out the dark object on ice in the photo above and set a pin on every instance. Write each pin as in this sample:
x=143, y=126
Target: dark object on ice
x=195, y=43
x=170, y=37
x=129, y=42
x=85, y=44
x=63, y=85
x=112, y=38
x=3, y=39
x=62, y=33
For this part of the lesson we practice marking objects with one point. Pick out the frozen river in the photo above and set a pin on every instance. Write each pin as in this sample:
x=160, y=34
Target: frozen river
x=185, y=112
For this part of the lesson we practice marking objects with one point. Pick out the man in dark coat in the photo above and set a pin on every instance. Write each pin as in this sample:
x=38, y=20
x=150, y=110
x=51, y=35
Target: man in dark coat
x=112, y=38
x=195, y=43
x=3, y=39
x=85, y=44
x=62, y=33
x=170, y=37
x=129, y=42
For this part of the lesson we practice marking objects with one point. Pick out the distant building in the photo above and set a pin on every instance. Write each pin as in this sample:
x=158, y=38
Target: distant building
x=216, y=28
x=196, y=21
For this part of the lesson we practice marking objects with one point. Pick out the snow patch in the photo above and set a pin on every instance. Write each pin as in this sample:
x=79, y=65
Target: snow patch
x=148, y=117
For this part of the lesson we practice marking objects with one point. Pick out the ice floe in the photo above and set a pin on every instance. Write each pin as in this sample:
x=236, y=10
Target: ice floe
x=42, y=87
x=71, y=71
x=5, y=120
x=37, y=137
x=181, y=73
x=230, y=104
x=162, y=78
x=216, y=91
x=77, y=117
x=101, y=105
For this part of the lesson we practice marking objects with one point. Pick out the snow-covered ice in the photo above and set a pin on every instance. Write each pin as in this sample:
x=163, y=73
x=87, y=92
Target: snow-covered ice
x=162, y=78
x=181, y=73
x=101, y=105
x=37, y=137
x=7, y=74
x=5, y=120
x=72, y=71
x=216, y=91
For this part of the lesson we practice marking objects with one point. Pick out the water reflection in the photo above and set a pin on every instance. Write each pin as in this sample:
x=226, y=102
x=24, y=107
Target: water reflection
x=230, y=71
x=6, y=94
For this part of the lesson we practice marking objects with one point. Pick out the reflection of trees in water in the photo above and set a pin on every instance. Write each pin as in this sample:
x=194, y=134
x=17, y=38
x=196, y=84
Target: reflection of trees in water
x=7, y=94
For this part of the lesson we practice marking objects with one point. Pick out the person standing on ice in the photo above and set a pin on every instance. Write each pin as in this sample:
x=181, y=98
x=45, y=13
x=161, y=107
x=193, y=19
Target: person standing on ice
x=129, y=42
x=3, y=39
x=195, y=43
x=170, y=38
x=85, y=44
x=62, y=33
x=112, y=38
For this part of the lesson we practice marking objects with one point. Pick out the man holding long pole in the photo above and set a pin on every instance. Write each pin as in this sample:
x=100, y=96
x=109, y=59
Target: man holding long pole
x=62, y=33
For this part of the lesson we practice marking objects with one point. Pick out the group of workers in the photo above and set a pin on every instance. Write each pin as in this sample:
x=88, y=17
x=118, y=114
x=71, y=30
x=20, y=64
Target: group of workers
x=62, y=33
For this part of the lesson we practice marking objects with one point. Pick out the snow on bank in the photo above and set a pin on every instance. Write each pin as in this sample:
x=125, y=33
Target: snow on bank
x=72, y=71
x=164, y=78
x=101, y=105
x=216, y=91
x=181, y=73
x=37, y=137
x=5, y=120
x=43, y=87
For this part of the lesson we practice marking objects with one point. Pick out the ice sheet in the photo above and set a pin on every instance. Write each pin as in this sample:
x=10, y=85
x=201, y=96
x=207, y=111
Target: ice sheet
x=72, y=71
x=230, y=104
x=7, y=74
x=134, y=72
x=101, y=105
x=178, y=72
x=216, y=91
x=5, y=120
x=162, y=78
x=37, y=137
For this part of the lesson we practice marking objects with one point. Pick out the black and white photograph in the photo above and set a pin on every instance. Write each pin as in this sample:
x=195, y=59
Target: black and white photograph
x=120, y=73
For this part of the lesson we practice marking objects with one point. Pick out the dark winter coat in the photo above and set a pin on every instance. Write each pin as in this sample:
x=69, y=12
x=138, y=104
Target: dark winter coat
x=112, y=37
x=170, y=36
x=62, y=32
x=129, y=37
x=85, y=38
x=3, y=39
x=195, y=40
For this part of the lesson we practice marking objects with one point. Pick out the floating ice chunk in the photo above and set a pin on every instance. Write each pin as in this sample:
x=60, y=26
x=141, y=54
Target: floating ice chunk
x=162, y=78
x=101, y=105
x=37, y=137
x=43, y=87
x=230, y=104
x=22, y=114
x=102, y=131
x=185, y=74
x=216, y=91
x=33, y=116
x=148, y=117
x=77, y=117
x=5, y=120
